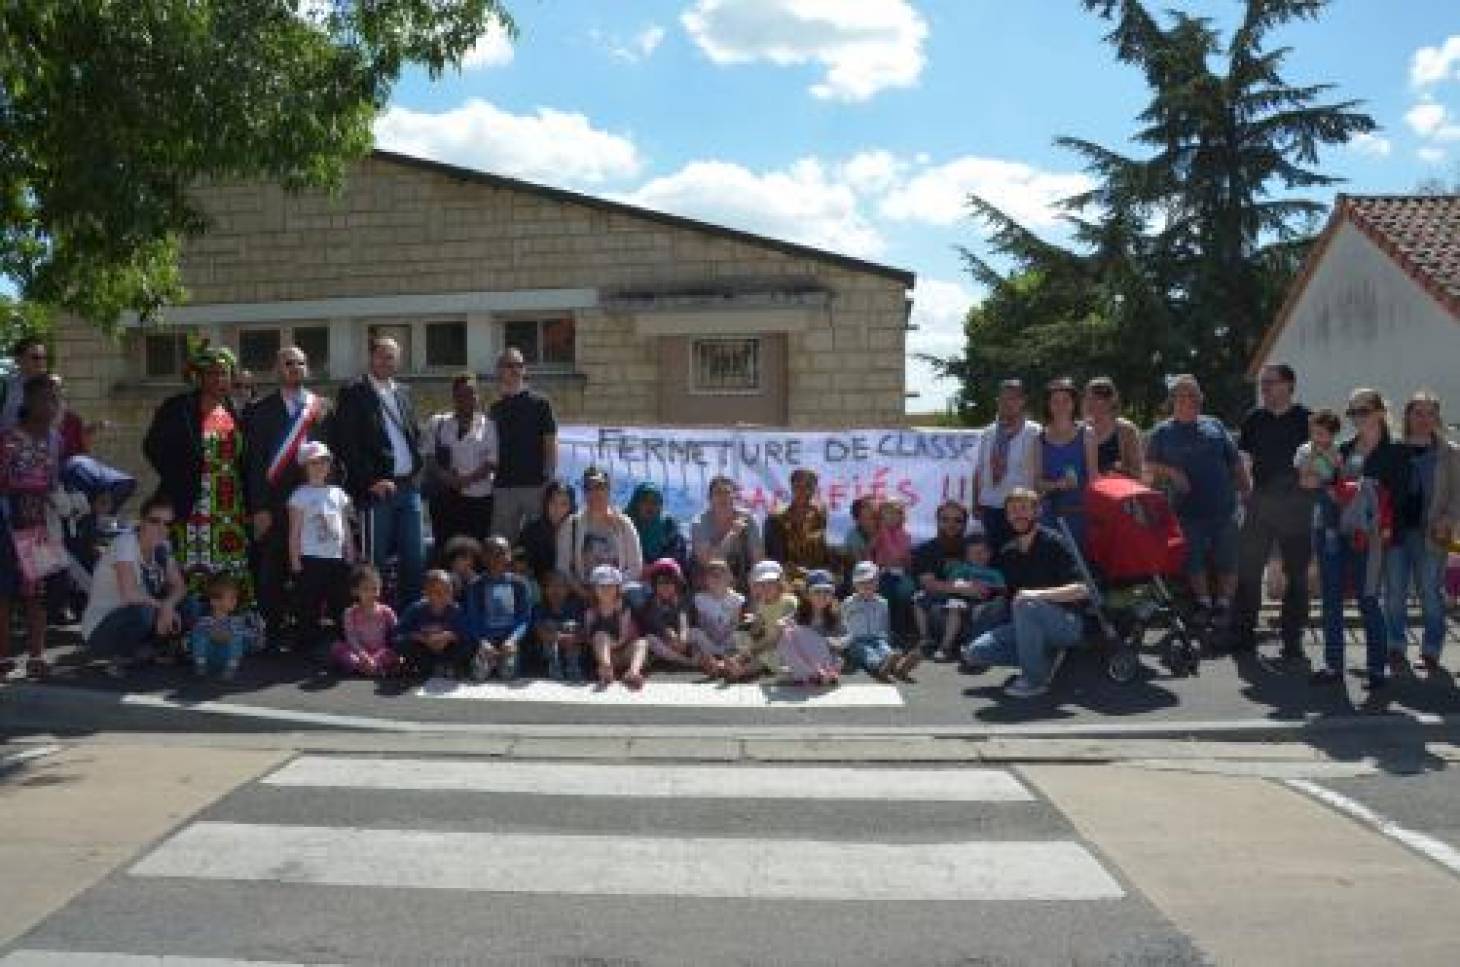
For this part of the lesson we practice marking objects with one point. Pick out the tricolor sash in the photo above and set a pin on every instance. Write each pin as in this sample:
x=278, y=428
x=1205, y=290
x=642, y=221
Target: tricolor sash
x=297, y=433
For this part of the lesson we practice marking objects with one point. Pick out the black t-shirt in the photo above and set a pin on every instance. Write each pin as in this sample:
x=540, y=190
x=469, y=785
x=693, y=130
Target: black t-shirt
x=1272, y=441
x=1047, y=564
x=522, y=421
x=931, y=557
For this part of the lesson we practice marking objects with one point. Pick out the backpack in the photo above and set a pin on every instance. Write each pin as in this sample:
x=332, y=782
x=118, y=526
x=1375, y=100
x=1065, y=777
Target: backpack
x=1365, y=512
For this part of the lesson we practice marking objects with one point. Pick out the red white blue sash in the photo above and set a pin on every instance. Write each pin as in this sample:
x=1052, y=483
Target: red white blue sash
x=298, y=432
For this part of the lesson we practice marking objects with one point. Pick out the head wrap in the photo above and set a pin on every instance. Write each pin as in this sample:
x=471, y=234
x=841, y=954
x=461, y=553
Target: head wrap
x=203, y=357
x=655, y=533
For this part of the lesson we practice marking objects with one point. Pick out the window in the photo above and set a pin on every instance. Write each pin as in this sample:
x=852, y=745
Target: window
x=315, y=342
x=258, y=349
x=163, y=354
x=548, y=343
x=446, y=344
x=725, y=366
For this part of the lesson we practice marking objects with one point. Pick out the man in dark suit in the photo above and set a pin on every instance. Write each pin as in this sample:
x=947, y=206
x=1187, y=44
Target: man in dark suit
x=378, y=444
x=277, y=424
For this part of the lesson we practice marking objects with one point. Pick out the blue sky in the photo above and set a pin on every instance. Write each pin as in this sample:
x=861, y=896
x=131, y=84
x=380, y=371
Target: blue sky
x=860, y=125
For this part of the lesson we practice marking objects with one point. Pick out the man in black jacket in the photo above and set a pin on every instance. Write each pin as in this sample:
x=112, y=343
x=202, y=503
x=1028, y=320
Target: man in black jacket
x=378, y=444
x=277, y=424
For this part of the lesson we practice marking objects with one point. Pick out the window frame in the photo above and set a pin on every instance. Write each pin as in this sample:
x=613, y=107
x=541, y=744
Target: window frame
x=286, y=332
x=694, y=386
x=540, y=322
x=427, y=366
x=180, y=355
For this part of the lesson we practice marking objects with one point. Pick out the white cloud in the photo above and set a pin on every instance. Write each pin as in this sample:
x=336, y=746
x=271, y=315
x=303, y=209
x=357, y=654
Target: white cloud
x=938, y=195
x=1431, y=156
x=554, y=146
x=865, y=46
x=494, y=49
x=639, y=47
x=1434, y=65
x=1374, y=145
x=1433, y=121
x=802, y=203
x=872, y=172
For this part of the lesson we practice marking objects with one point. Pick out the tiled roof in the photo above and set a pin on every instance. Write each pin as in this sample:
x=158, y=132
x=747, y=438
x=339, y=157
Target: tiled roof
x=1421, y=233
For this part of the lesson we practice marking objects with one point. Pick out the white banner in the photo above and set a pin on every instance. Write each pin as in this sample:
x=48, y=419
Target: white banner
x=923, y=468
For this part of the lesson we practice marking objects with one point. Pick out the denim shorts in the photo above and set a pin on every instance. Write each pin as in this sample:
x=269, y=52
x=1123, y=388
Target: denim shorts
x=1210, y=539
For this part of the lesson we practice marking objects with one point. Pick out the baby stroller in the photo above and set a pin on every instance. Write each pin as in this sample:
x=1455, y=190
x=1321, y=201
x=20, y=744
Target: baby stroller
x=1134, y=545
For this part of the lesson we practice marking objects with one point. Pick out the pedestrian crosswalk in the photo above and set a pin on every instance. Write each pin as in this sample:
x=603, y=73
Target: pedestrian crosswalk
x=340, y=859
x=667, y=693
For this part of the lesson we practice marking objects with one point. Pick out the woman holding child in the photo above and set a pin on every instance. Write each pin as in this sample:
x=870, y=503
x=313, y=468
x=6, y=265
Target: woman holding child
x=726, y=533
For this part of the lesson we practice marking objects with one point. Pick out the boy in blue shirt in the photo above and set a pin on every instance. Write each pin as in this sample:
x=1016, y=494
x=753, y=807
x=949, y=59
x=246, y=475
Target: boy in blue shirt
x=498, y=613
x=431, y=636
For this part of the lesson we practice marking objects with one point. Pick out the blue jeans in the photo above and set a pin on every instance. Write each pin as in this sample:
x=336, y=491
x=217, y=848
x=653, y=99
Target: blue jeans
x=1037, y=630
x=124, y=631
x=1414, y=560
x=869, y=652
x=395, y=525
x=1339, y=566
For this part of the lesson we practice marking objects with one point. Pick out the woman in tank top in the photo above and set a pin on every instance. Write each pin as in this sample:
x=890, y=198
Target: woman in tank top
x=1117, y=440
x=1066, y=457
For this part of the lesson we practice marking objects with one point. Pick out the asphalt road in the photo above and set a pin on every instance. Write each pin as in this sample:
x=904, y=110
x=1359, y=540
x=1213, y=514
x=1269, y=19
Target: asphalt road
x=555, y=865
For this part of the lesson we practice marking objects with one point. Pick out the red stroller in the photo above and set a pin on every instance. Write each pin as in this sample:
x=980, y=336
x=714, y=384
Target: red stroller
x=1134, y=545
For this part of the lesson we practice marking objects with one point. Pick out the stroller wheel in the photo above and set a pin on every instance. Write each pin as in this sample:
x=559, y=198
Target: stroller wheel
x=1183, y=656
x=1135, y=637
x=1123, y=665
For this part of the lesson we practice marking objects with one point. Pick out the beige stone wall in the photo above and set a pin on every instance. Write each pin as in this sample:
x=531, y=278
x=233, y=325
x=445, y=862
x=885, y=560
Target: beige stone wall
x=398, y=229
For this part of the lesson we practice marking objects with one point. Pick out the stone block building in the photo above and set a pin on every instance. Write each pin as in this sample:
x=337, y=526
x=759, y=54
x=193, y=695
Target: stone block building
x=625, y=314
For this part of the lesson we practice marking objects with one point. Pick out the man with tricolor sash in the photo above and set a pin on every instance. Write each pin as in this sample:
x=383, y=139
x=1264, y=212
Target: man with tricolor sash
x=276, y=425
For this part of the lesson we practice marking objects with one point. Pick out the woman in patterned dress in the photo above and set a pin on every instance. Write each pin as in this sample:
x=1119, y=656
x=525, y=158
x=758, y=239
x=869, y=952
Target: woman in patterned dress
x=195, y=444
x=29, y=462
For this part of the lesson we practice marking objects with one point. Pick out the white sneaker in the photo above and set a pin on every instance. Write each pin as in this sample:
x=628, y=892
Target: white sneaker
x=482, y=664
x=1020, y=688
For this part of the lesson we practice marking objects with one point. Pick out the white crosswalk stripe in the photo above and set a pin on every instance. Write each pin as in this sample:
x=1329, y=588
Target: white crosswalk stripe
x=653, y=781
x=666, y=694
x=436, y=836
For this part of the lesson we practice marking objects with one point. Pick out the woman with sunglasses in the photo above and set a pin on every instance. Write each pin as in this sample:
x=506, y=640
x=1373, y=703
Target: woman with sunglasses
x=599, y=535
x=1118, y=448
x=1373, y=471
x=1425, y=517
x=136, y=591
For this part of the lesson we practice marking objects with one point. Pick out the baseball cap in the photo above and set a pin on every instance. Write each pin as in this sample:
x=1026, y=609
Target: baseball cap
x=314, y=450
x=766, y=571
x=864, y=571
x=604, y=574
x=820, y=581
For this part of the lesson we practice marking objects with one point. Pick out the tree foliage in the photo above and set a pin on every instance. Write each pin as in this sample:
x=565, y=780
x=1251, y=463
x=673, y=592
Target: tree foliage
x=110, y=110
x=1182, y=255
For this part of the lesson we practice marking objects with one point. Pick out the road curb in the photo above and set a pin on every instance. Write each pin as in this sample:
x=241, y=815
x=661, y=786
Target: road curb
x=65, y=711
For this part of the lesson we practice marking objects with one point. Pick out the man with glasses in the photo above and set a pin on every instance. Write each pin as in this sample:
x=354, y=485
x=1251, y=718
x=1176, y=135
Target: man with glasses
x=276, y=425
x=930, y=561
x=31, y=359
x=378, y=442
x=1279, y=512
x=527, y=447
x=1197, y=459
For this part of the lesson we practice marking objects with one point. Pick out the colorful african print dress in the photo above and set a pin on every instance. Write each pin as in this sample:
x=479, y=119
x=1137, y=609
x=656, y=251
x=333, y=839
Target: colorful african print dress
x=212, y=539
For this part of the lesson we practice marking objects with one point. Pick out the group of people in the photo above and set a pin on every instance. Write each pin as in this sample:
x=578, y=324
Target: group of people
x=292, y=522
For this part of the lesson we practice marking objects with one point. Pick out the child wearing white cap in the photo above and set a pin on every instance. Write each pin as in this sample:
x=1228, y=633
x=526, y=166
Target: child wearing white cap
x=612, y=634
x=320, y=546
x=772, y=613
x=869, y=629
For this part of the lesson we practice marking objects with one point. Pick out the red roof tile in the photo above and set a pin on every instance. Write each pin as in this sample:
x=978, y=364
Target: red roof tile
x=1421, y=233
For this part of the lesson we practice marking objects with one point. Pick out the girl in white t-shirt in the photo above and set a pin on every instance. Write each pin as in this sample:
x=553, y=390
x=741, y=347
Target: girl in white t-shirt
x=717, y=615
x=321, y=549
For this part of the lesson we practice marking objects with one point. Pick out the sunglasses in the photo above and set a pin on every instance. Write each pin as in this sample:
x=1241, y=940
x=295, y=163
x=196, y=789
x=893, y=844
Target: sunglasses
x=293, y=363
x=1359, y=412
x=512, y=366
x=596, y=485
x=950, y=520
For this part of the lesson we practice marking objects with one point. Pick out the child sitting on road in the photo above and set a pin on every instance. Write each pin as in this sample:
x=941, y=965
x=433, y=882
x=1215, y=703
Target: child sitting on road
x=432, y=638
x=772, y=612
x=220, y=638
x=522, y=567
x=892, y=553
x=612, y=633
x=717, y=614
x=497, y=614
x=557, y=624
x=869, y=630
x=808, y=648
x=368, y=628
x=664, y=618
x=462, y=558
x=979, y=601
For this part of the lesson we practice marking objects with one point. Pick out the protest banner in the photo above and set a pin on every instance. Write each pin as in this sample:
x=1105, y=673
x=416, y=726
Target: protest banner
x=922, y=468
